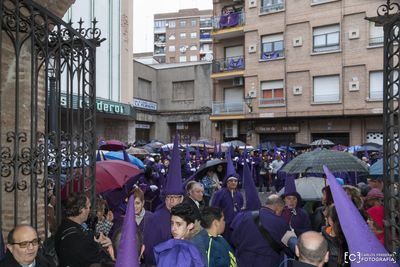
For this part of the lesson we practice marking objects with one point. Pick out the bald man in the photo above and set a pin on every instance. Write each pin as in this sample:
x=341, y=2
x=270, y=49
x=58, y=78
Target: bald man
x=312, y=250
x=22, y=248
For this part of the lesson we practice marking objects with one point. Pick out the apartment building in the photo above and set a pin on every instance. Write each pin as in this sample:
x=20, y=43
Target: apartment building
x=183, y=36
x=296, y=71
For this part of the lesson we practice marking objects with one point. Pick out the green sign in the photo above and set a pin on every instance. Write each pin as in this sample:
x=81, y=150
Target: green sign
x=102, y=105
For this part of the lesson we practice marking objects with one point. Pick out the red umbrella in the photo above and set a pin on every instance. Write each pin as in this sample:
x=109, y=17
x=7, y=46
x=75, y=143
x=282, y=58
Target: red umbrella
x=112, y=174
x=113, y=145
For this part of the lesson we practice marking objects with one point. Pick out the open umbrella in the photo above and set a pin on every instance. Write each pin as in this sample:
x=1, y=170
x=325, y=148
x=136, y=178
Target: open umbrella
x=155, y=144
x=322, y=142
x=234, y=143
x=370, y=147
x=339, y=148
x=201, y=172
x=118, y=155
x=113, y=145
x=309, y=188
x=376, y=169
x=336, y=161
x=202, y=143
x=112, y=174
x=299, y=146
x=137, y=151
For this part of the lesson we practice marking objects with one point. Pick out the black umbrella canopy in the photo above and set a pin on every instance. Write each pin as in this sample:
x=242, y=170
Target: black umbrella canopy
x=336, y=161
x=202, y=171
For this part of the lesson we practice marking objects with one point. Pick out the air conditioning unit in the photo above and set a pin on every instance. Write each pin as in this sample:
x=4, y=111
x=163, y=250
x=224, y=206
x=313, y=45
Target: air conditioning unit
x=231, y=129
x=297, y=90
x=252, y=48
x=252, y=94
x=238, y=81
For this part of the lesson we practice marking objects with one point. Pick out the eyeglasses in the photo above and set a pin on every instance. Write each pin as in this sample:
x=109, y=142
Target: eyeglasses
x=24, y=244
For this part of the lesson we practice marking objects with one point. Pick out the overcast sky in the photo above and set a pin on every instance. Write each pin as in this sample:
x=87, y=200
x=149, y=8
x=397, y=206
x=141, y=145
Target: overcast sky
x=143, y=11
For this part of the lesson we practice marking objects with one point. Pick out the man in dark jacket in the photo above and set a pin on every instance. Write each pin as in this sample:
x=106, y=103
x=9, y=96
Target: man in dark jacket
x=194, y=197
x=76, y=246
x=312, y=250
x=22, y=248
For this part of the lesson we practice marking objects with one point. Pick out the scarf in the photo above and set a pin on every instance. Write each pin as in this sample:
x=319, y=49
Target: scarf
x=140, y=216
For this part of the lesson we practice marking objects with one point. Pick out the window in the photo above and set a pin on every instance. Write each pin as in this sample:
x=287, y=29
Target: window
x=271, y=5
x=205, y=47
x=171, y=37
x=193, y=47
x=183, y=90
x=376, y=85
x=193, y=35
x=326, y=89
x=182, y=59
x=172, y=24
x=193, y=58
x=272, y=46
x=272, y=93
x=326, y=38
x=194, y=23
x=375, y=34
x=182, y=23
x=159, y=24
x=182, y=35
x=171, y=48
x=144, y=91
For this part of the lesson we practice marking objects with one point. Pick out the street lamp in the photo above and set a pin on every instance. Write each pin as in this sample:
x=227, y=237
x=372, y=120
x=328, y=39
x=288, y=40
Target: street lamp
x=249, y=103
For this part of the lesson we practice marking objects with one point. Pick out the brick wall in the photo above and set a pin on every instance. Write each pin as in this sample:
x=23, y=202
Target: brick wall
x=9, y=107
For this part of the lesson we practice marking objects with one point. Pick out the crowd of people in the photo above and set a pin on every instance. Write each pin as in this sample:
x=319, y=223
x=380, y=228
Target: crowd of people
x=214, y=220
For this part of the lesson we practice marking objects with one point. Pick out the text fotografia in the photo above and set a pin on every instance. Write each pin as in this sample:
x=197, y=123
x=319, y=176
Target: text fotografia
x=359, y=257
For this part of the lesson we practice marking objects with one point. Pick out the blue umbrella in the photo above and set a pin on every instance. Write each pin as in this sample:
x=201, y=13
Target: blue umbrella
x=376, y=169
x=119, y=155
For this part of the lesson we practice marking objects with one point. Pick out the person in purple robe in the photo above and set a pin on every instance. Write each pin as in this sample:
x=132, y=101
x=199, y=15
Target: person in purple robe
x=179, y=251
x=297, y=218
x=230, y=200
x=158, y=228
x=252, y=248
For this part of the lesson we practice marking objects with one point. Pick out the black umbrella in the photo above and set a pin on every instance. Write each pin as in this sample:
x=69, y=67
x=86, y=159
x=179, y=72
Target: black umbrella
x=202, y=171
x=299, y=146
x=336, y=161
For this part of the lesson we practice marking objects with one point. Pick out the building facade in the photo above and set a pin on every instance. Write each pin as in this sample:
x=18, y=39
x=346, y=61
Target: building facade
x=183, y=36
x=297, y=71
x=170, y=98
x=114, y=69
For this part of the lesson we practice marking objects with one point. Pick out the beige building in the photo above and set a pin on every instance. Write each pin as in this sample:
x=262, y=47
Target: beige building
x=297, y=71
x=183, y=36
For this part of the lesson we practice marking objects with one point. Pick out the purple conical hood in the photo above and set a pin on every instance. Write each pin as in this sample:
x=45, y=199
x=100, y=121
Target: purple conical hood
x=360, y=239
x=290, y=186
x=174, y=178
x=205, y=151
x=187, y=154
x=197, y=153
x=230, y=170
x=252, y=199
x=215, y=149
x=127, y=251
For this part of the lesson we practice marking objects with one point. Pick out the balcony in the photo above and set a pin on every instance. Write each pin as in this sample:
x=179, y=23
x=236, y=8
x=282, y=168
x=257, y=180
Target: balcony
x=374, y=41
x=228, y=64
x=205, y=37
x=228, y=26
x=272, y=102
x=268, y=8
x=206, y=24
x=159, y=51
x=225, y=108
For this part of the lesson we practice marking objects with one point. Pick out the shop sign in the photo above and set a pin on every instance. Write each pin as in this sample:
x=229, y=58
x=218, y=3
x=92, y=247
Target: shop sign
x=144, y=104
x=142, y=126
x=103, y=106
x=277, y=128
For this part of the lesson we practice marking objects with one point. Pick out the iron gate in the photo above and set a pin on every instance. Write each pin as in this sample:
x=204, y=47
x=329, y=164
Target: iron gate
x=389, y=18
x=47, y=111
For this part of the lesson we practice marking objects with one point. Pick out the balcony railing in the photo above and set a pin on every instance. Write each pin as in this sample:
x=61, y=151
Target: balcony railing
x=219, y=108
x=272, y=7
x=159, y=51
x=228, y=64
x=205, y=36
x=206, y=24
x=272, y=102
x=228, y=21
x=376, y=40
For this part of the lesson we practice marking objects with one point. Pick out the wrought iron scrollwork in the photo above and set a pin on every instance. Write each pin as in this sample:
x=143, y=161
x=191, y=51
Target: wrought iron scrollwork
x=388, y=9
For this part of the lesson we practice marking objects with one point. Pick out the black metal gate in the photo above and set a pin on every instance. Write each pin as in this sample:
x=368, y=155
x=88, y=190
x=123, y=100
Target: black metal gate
x=389, y=18
x=47, y=83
